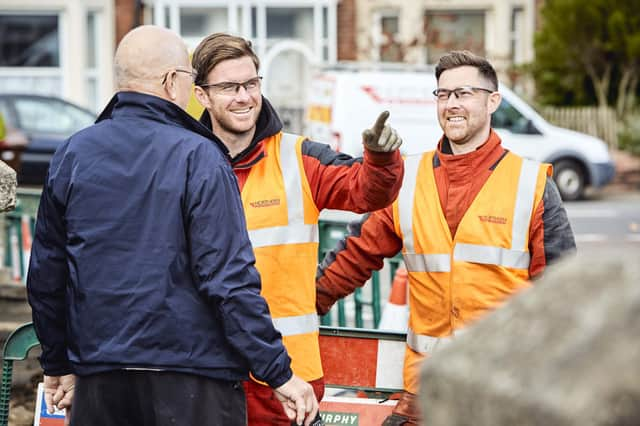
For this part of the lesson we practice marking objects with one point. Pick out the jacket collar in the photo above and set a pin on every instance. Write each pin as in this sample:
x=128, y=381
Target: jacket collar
x=157, y=109
x=267, y=125
x=485, y=156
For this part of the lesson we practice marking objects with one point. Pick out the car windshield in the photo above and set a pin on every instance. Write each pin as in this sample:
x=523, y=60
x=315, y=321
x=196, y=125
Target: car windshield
x=45, y=115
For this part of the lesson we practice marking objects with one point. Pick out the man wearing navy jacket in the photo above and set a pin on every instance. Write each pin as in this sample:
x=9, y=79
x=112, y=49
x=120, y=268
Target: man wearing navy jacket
x=142, y=282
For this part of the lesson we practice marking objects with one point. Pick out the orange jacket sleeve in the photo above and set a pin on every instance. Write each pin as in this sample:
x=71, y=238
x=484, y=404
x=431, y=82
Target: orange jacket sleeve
x=360, y=185
x=350, y=264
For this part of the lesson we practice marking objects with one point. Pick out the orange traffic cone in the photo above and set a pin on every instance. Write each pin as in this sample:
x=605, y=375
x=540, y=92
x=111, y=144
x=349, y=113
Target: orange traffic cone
x=25, y=224
x=396, y=311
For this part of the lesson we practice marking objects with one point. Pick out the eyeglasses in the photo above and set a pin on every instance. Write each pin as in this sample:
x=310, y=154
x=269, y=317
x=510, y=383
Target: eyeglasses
x=464, y=92
x=193, y=72
x=231, y=88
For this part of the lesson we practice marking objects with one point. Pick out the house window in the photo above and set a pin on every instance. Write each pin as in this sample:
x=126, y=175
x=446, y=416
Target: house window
x=454, y=30
x=93, y=91
x=289, y=22
x=517, y=26
x=194, y=22
x=29, y=41
x=389, y=46
x=30, y=53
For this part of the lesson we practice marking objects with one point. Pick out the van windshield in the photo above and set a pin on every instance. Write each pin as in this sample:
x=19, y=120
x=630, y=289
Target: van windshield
x=509, y=118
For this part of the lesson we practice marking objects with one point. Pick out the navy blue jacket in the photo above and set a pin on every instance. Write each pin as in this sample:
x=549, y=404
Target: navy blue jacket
x=141, y=257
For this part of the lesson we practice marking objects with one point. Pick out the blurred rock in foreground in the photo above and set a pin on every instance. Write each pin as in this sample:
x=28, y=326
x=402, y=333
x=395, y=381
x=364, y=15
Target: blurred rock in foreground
x=565, y=352
x=8, y=185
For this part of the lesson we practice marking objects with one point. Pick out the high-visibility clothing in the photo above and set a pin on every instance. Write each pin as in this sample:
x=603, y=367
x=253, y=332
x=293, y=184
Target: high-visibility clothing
x=285, y=243
x=454, y=280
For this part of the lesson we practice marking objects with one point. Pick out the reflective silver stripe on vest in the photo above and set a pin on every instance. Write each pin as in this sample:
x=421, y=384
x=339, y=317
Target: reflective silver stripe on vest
x=524, y=203
x=428, y=344
x=289, y=326
x=491, y=255
x=413, y=261
x=277, y=235
x=406, y=199
x=516, y=256
x=427, y=262
x=296, y=231
x=291, y=177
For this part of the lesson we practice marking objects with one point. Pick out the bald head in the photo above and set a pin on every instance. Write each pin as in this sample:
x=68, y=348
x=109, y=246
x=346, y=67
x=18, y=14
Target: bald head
x=144, y=54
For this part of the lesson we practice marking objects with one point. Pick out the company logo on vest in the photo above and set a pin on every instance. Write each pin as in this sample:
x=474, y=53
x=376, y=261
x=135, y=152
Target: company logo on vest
x=265, y=203
x=493, y=219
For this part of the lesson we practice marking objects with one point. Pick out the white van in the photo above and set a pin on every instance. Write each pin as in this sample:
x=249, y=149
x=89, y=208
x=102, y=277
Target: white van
x=345, y=100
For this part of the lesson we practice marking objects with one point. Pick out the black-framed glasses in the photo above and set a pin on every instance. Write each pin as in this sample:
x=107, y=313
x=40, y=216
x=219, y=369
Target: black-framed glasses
x=192, y=72
x=231, y=87
x=463, y=92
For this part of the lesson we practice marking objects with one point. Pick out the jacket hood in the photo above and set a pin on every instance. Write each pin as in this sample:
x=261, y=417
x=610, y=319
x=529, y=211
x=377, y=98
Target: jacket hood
x=268, y=124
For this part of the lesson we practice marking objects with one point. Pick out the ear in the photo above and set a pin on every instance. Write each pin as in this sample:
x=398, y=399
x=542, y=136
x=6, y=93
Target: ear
x=170, y=86
x=202, y=97
x=493, y=102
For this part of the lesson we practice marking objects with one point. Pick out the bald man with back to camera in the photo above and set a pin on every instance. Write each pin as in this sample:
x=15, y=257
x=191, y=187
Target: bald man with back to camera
x=144, y=294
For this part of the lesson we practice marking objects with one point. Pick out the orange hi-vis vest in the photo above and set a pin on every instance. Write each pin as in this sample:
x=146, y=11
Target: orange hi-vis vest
x=454, y=280
x=282, y=220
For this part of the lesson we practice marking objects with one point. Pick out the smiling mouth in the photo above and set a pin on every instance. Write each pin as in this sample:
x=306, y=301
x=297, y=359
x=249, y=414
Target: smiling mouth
x=244, y=111
x=456, y=119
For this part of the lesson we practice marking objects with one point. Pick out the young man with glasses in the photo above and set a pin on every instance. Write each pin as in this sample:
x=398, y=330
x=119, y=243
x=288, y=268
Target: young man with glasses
x=285, y=181
x=474, y=222
x=142, y=282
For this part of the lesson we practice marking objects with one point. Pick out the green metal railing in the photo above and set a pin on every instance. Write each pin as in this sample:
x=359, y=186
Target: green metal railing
x=16, y=348
x=331, y=232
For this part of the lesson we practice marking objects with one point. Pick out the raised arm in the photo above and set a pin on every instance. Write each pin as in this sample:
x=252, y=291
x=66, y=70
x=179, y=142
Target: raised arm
x=368, y=183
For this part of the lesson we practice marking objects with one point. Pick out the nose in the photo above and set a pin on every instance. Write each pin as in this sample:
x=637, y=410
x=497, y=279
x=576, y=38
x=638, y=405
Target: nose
x=242, y=94
x=452, y=103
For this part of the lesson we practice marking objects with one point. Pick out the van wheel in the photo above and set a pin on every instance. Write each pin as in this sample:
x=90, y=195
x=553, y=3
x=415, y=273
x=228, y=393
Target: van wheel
x=570, y=179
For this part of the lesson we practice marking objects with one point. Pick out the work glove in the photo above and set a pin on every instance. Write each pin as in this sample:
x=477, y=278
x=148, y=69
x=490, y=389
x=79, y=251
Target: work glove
x=405, y=412
x=381, y=138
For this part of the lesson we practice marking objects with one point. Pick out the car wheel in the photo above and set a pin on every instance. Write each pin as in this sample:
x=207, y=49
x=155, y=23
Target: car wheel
x=570, y=179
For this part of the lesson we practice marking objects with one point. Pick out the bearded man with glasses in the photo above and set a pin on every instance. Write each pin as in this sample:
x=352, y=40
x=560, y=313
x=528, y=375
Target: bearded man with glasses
x=474, y=222
x=285, y=181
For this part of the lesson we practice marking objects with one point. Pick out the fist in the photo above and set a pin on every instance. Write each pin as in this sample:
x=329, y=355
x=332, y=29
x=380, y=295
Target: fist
x=381, y=138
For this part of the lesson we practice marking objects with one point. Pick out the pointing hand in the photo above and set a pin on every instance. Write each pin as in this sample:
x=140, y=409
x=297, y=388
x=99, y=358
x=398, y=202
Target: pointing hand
x=381, y=138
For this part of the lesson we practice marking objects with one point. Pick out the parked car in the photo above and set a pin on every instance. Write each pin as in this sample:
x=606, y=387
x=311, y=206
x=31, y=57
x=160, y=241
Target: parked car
x=36, y=125
x=343, y=99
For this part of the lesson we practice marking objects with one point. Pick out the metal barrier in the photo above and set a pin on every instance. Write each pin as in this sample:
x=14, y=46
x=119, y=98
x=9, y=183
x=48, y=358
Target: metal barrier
x=363, y=359
x=367, y=361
